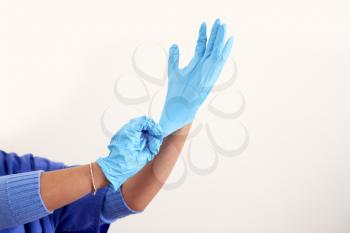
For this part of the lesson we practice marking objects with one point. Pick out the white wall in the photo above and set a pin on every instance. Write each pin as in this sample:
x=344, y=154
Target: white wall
x=59, y=61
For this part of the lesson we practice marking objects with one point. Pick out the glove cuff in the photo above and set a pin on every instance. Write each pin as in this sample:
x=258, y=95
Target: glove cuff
x=106, y=168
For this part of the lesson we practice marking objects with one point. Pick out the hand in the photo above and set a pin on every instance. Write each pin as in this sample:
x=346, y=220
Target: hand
x=131, y=148
x=188, y=87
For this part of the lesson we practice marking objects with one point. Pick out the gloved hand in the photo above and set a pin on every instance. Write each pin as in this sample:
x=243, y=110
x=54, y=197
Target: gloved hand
x=131, y=148
x=188, y=87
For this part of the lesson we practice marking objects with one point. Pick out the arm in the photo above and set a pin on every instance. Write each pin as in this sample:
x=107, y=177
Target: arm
x=139, y=190
x=188, y=87
x=29, y=196
x=24, y=178
x=61, y=187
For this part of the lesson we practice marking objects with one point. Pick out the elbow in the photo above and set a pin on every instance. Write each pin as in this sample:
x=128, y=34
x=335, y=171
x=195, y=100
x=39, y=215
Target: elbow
x=136, y=206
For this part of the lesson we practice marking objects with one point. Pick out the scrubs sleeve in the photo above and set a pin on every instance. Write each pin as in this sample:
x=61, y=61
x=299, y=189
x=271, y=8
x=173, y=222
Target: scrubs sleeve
x=20, y=200
x=81, y=216
x=114, y=206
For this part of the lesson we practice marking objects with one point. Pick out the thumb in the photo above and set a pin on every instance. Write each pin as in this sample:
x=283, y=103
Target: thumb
x=173, y=61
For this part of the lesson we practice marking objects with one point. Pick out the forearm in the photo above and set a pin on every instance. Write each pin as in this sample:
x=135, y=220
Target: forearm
x=139, y=190
x=61, y=187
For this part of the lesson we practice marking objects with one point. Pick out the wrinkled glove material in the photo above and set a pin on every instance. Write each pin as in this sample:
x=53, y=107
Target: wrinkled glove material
x=131, y=148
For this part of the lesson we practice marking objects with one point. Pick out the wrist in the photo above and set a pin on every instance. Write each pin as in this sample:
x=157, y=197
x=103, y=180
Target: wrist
x=106, y=168
x=170, y=125
x=99, y=177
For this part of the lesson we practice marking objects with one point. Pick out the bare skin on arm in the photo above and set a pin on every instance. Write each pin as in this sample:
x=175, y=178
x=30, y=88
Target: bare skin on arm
x=62, y=187
x=139, y=190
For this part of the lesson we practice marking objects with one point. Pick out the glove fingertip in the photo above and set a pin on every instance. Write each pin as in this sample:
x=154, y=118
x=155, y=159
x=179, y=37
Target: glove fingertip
x=174, y=48
x=203, y=29
x=173, y=53
x=227, y=48
x=217, y=21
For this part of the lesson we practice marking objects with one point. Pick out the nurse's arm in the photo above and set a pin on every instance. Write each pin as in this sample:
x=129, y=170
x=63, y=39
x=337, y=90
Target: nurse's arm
x=139, y=190
x=61, y=187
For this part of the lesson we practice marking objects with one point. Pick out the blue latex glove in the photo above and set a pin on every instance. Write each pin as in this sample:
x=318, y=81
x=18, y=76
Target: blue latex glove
x=188, y=87
x=131, y=148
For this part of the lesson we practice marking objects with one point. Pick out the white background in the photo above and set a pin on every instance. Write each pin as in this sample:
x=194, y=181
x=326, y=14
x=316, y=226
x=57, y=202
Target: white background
x=59, y=61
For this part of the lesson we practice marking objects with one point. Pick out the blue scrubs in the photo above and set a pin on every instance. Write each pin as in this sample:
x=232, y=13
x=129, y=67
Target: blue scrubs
x=81, y=216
